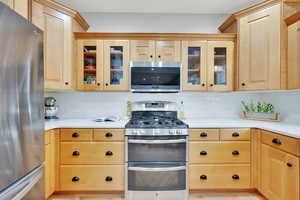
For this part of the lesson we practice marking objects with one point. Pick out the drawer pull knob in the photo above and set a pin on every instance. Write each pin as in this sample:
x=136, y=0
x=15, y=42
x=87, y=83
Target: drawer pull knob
x=75, y=135
x=203, y=153
x=276, y=141
x=109, y=153
x=203, y=134
x=203, y=177
x=235, y=177
x=76, y=153
x=235, y=134
x=235, y=153
x=75, y=179
x=108, y=135
x=289, y=164
x=108, y=179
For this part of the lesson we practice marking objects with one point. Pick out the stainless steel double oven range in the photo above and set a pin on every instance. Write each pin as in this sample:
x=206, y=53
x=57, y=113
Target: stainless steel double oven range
x=156, y=153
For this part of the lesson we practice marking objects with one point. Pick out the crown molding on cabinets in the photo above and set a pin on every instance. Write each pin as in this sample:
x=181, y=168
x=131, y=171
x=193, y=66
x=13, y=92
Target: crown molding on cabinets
x=156, y=36
x=231, y=20
x=65, y=10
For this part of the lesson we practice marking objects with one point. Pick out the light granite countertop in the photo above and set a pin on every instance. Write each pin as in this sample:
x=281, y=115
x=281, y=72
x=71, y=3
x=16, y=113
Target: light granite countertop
x=283, y=128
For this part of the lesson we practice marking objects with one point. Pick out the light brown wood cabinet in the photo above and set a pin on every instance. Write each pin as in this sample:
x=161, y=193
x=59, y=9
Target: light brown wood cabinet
x=294, y=56
x=207, y=65
x=20, y=6
x=59, y=42
x=280, y=174
x=259, y=50
x=151, y=50
x=50, y=160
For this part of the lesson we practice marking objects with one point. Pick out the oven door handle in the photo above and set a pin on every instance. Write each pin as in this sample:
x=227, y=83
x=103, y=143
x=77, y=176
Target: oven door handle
x=163, y=169
x=132, y=141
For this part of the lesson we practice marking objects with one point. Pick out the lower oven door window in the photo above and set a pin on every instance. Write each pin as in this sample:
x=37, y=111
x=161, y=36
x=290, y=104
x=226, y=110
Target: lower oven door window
x=156, y=176
x=157, y=149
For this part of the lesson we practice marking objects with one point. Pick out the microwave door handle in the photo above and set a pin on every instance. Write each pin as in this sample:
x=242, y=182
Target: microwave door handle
x=132, y=141
x=163, y=169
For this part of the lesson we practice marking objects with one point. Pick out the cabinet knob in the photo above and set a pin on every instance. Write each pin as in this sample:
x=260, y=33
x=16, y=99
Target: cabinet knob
x=109, y=153
x=203, y=153
x=235, y=153
x=203, y=177
x=211, y=85
x=289, y=164
x=159, y=56
x=151, y=56
x=203, y=134
x=98, y=84
x=276, y=141
x=108, y=135
x=75, y=135
x=203, y=84
x=108, y=179
x=75, y=179
x=235, y=134
x=66, y=83
x=76, y=153
x=106, y=84
x=235, y=177
x=243, y=84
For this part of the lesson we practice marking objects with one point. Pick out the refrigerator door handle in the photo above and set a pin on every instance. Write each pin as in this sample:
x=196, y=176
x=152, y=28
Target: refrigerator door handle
x=19, y=189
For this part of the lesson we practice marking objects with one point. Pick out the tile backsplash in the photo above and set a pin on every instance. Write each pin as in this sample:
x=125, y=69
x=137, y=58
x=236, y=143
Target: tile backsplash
x=90, y=105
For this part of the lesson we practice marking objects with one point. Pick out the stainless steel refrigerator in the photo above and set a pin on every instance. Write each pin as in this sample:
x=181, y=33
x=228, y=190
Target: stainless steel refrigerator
x=21, y=108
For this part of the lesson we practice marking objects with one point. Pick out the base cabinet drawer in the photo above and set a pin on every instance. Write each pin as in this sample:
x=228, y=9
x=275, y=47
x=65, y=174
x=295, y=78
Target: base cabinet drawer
x=235, y=134
x=76, y=134
x=204, y=135
x=219, y=176
x=92, y=178
x=107, y=135
x=219, y=152
x=92, y=153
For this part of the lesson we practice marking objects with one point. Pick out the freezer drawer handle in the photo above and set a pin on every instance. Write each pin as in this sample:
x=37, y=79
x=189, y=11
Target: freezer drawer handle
x=235, y=134
x=157, y=141
x=108, y=179
x=203, y=153
x=109, y=153
x=276, y=141
x=75, y=179
x=203, y=134
x=76, y=153
x=108, y=135
x=163, y=169
x=203, y=177
x=235, y=177
x=75, y=135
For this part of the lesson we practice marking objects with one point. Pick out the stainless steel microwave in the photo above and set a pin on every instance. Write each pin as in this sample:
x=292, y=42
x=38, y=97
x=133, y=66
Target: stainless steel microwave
x=155, y=76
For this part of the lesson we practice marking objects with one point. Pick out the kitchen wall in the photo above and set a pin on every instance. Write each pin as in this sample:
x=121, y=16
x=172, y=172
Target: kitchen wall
x=162, y=23
x=90, y=105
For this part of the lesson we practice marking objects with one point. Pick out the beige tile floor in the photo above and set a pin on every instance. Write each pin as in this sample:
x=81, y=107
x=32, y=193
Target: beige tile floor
x=193, y=196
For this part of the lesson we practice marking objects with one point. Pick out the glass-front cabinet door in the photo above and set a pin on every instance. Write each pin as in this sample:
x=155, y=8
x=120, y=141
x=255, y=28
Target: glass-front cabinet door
x=90, y=73
x=220, y=65
x=116, y=61
x=194, y=65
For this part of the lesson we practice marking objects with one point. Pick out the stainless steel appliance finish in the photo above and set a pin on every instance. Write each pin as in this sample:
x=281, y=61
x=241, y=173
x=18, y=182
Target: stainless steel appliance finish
x=21, y=105
x=155, y=76
x=156, y=153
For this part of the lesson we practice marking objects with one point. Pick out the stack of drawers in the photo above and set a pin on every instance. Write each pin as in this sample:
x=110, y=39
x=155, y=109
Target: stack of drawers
x=92, y=160
x=219, y=159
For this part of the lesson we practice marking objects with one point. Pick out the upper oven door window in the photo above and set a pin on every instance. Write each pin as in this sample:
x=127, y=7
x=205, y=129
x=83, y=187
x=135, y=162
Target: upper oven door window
x=156, y=149
x=155, y=76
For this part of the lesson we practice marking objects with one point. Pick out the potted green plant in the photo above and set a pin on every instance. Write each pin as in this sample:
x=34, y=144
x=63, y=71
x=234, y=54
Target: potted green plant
x=260, y=111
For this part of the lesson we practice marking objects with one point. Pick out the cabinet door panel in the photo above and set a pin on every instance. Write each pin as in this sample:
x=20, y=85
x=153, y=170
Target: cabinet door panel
x=142, y=50
x=194, y=65
x=294, y=56
x=38, y=17
x=259, y=53
x=220, y=65
x=90, y=61
x=168, y=51
x=22, y=7
x=9, y=3
x=280, y=174
x=116, y=61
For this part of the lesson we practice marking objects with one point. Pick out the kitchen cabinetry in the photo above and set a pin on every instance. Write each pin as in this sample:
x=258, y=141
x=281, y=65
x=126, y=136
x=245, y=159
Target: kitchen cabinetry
x=207, y=66
x=58, y=26
x=50, y=160
x=116, y=62
x=150, y=50
x=294, y=56
x=219, y=159
x=20, y=6
x=92, y=160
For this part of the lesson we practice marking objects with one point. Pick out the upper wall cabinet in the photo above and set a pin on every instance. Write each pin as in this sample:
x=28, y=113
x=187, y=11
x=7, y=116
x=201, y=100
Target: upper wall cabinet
x=58, y=23
x=207, y=66
x=259, y=52
x=150, y=50
x=261, y=58
x=20, y=6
